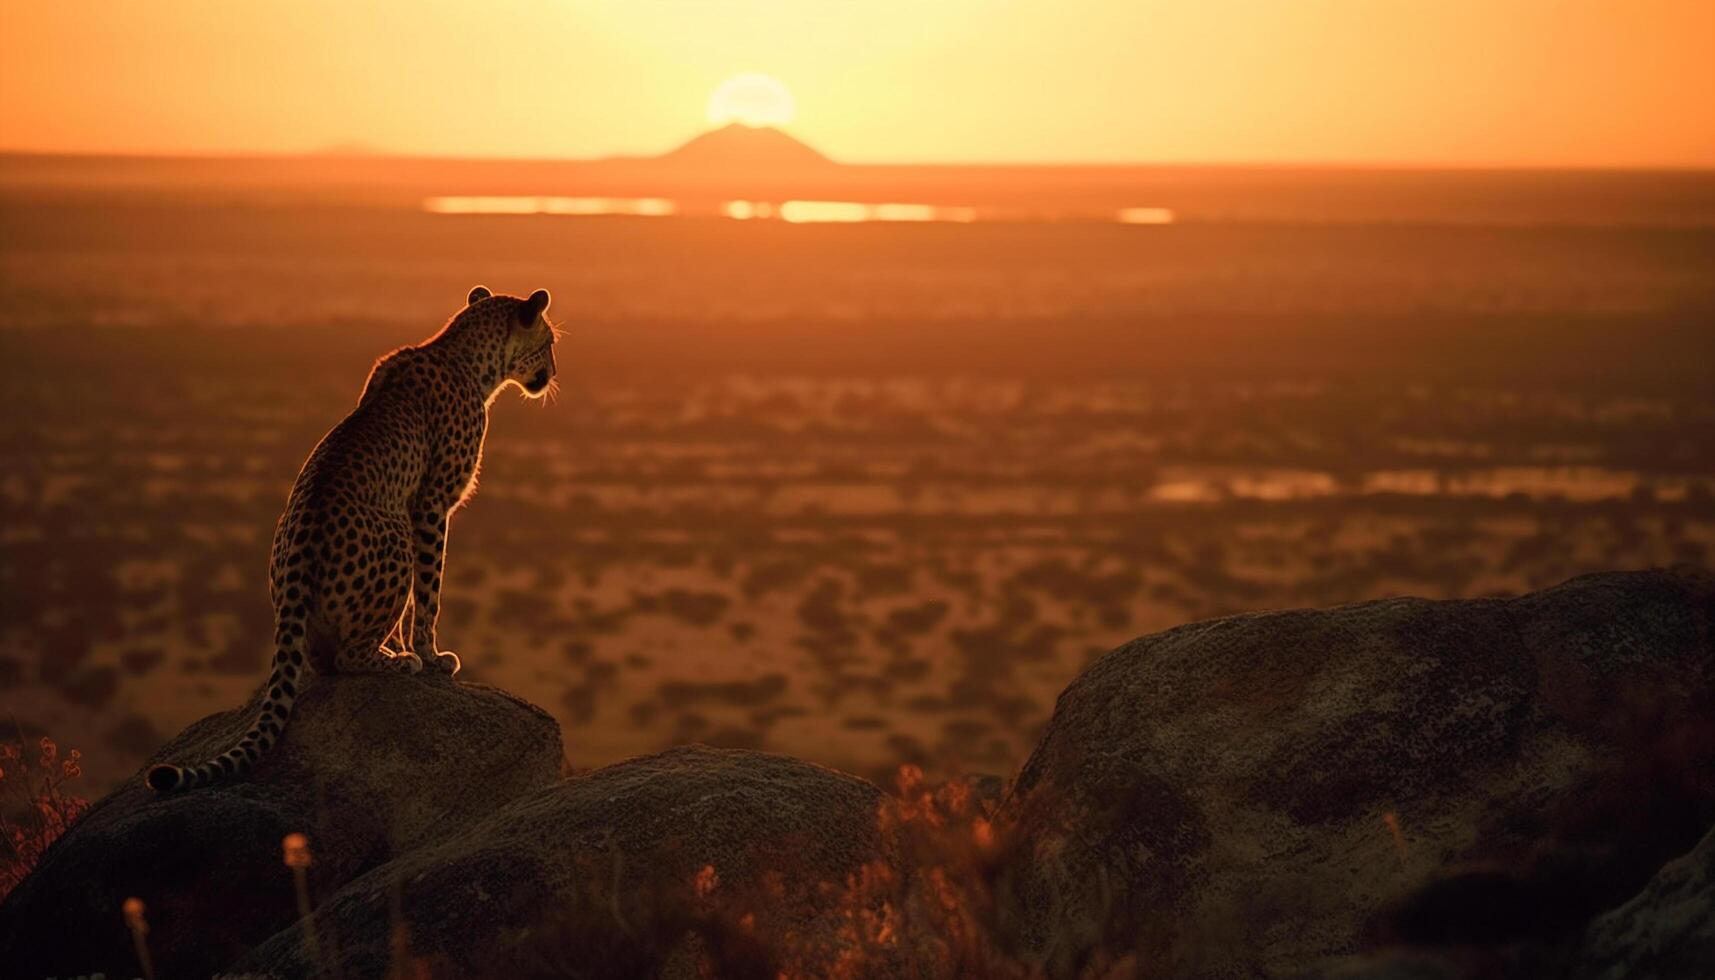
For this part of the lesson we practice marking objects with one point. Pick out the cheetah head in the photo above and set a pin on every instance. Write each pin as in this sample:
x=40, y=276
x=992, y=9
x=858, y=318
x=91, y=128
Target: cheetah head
x=529, y=343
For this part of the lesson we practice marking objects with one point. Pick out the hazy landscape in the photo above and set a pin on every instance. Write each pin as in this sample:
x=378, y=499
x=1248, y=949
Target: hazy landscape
x=867, y=493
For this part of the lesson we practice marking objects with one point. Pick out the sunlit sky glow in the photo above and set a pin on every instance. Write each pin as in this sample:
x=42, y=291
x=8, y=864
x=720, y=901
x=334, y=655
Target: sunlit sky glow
x=751, y=98
x=1419, y=82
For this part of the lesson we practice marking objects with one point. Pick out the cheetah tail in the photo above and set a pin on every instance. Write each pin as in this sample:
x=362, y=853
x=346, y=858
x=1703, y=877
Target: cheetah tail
x=263, y=733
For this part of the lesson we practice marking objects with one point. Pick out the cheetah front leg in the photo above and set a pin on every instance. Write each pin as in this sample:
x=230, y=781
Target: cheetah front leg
x=431, y=544
x=398, y=638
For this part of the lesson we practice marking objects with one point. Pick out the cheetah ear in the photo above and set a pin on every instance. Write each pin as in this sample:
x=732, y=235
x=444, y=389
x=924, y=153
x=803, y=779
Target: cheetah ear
x=533, y=307
x=478, y=293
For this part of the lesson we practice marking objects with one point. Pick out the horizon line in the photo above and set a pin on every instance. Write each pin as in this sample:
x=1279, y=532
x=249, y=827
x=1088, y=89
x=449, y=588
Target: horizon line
x=622, y=158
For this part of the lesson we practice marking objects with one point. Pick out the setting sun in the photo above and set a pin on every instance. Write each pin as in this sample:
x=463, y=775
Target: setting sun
x=753, y=99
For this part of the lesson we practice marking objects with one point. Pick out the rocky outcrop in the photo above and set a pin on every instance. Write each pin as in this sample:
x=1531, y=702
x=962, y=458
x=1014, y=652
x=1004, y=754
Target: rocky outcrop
x=372, y=768
x=1395, y=789
x=697, y=857
x=1251, y=794
x=1667, y=931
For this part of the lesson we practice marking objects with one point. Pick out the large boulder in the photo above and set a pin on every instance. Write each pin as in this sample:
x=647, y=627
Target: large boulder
x=1247, y=795
x=697, y=858
x=370, y=768
x=1388, y=790
x=1666, y=932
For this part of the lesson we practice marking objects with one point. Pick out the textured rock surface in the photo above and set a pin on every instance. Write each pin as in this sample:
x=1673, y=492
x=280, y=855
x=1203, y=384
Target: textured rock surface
x=641, y=868
x=1259, y=791
x=370, y=768
x=1666, y=932
x=1398, y=789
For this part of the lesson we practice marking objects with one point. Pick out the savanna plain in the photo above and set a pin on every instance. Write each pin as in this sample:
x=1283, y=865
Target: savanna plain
x=868, y=494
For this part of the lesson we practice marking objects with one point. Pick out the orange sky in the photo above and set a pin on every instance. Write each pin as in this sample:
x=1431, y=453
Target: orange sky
x=1511, y=82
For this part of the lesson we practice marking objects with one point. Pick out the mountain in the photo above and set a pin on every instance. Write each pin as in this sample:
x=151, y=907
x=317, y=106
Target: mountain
x=749, y=149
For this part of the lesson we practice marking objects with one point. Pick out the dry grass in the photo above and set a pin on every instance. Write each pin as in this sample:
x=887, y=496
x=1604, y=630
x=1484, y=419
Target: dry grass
x=938, y=903
x=35, y=806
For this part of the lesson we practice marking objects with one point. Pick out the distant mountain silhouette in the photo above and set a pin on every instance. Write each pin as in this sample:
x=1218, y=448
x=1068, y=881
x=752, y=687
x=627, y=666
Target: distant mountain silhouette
x=736, y=146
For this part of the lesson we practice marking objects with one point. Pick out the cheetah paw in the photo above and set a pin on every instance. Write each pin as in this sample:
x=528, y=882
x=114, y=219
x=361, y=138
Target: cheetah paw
x=442, y=663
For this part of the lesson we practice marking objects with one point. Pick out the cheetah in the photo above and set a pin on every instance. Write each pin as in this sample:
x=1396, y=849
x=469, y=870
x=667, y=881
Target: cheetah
x=359, y=551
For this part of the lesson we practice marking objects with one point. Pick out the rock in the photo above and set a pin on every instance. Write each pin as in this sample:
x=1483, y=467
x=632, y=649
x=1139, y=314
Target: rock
x=1397, y=965
x=1666, y=932
x=1255, y=793
x=370, y=768
x=644, y=868
x=1399, y=789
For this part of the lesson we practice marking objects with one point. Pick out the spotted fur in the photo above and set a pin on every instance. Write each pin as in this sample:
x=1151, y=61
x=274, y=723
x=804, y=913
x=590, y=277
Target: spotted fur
x=359, y=551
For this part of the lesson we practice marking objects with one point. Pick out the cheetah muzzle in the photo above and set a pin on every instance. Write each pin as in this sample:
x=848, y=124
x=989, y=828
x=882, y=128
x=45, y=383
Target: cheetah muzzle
x=355, y=572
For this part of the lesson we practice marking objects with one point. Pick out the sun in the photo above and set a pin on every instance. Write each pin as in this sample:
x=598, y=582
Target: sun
x=753, y=99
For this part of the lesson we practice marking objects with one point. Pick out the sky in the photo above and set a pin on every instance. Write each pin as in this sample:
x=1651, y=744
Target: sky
x=1415, y=82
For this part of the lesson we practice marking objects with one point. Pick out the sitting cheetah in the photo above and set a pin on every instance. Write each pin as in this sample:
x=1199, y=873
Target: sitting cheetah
x=366, y=523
